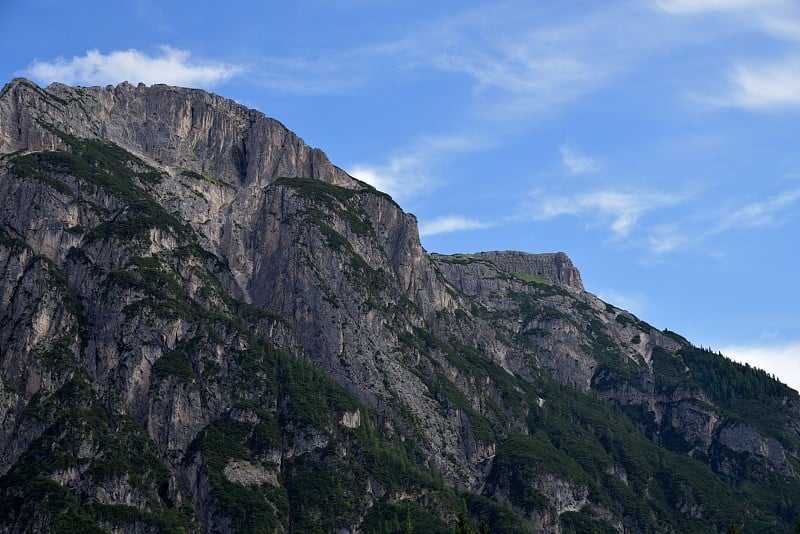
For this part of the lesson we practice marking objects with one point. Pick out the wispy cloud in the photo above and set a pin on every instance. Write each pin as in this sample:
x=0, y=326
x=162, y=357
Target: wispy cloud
x=760, y=213
x=781, y=360
x=402, y=177
x=412, y=172
x=517, y=65
x=775, y=17
x=334, y=72
x=786, y=27
x=667, y=238
x=577, y=163
x=450, y=223
x=619, y=211
x=512, y=61
x=169, y=65
x=705, y=6
x=517, y=68
x=698, y=230
x=771, y=82
x=764, y=86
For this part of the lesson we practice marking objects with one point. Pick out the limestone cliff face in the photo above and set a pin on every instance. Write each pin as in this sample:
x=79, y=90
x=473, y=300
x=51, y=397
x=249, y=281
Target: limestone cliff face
x=205, y=325
x=176, y=127
x=556, y=268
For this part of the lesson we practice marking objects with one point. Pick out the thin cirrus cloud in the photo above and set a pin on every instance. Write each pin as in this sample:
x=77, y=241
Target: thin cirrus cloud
x=775, y=85
x=528, y=72
x=409, y=173
x=770, y=83
x=703, y=6
x=669, y=238
x=334, y=72
x=577, y=163
x=518, y=68
x=170, y=65
x=778, y=19
x=533, y=67
x=448, y=224
x=619, y=211
x=402, y=177
x=758, y=213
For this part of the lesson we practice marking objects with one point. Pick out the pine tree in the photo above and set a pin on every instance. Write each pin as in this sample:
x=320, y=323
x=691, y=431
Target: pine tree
x=409, y=523
x=462, y=527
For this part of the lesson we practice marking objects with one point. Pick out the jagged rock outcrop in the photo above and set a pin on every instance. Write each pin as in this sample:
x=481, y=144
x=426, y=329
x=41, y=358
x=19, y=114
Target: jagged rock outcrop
x=205, y=325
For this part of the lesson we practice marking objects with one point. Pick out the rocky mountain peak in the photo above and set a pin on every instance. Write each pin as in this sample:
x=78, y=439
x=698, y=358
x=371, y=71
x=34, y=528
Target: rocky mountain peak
x=205, y=326
x=174, y=127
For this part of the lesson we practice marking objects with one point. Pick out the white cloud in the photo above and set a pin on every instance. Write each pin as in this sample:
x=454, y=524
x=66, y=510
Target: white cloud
x=680, y=7
x=336, y=71
x=698, y=230
x=786, y=27
x=666, y=239
x=409, y=173
x=536, y=68
x=513, y=59
x=169, y=65
x=781, y=360
x=517, y=65
x=518, y=68
x=774, y=85
x=576, y=163
x=621, y=211
x=402, y=177
x=450, y=223
x=770, y=82
x=758, y=213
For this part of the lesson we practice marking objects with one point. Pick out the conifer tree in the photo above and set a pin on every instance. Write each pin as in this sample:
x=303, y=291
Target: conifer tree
x=409, y=523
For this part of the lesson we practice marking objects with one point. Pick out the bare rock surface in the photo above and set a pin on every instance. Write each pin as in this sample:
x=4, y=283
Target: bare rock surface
x=201, y=318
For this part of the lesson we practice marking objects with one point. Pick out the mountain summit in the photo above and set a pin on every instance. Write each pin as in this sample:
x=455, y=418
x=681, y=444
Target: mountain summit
x=205, y=326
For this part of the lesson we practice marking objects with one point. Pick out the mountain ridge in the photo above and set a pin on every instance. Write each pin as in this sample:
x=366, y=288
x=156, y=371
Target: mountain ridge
x=187, y=275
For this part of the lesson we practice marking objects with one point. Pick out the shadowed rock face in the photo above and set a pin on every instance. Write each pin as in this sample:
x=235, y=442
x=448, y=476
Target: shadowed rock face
x=205, y=325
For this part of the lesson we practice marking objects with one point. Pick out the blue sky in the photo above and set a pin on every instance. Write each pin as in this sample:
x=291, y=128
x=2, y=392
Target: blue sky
x=654, y=141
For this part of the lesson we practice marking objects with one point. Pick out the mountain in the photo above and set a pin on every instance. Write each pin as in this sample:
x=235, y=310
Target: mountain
x=205, y=326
